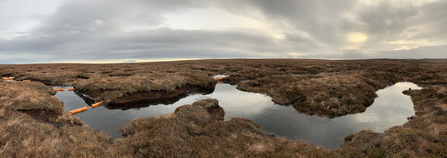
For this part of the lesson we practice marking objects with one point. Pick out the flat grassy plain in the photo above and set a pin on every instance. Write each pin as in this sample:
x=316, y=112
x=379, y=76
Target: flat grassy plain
x=33, y=122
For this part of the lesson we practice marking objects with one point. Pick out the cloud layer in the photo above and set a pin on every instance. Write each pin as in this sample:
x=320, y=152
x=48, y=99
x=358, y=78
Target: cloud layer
x=136, y=30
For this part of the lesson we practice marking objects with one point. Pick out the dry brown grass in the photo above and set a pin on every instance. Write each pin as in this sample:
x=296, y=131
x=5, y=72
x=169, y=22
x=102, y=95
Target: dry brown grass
x=326, y=94
x=322, y=87
x=23, y=136
x=32, y=124
x=198, y=130
x=192, y=132
x=110, y=89
x=28, y=96
x=112, y=82
x=425, y=135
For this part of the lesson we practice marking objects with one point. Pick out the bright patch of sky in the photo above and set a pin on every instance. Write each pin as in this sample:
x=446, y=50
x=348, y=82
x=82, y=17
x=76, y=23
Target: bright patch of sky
x=216, y=19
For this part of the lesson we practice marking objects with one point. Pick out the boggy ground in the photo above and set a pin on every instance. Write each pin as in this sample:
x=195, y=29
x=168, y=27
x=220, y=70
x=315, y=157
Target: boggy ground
x=322, y=87
x=424, y=135
x=192, y=130
x=33, y=124
x=326, y=94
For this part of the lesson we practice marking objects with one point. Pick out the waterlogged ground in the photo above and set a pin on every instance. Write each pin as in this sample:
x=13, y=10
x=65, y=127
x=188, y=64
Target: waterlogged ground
x=391, y=108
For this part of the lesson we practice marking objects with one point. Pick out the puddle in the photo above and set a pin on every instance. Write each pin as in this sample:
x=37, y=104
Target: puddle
x=391, y=108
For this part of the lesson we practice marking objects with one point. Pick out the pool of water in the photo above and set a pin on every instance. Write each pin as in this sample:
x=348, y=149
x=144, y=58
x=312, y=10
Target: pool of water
x=391, y=108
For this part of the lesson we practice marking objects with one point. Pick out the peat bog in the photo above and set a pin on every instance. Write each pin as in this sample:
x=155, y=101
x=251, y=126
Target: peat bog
x=391, y=108
x=324, y=89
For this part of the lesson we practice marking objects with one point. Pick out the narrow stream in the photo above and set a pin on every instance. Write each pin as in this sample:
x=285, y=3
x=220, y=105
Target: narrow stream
x=391, y=108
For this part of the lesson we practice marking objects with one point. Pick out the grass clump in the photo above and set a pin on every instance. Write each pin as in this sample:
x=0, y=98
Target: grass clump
x=323, y=94
x=192, y=131
x=110, y=89
x=29, y=96
x=33, y=124
x=23, y=136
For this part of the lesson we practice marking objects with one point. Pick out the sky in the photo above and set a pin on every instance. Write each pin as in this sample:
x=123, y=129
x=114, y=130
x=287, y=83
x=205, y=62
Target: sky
x=115, y=31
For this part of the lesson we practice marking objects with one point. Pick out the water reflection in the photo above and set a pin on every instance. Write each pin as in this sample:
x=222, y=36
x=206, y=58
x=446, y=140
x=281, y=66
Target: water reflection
x=389, y=109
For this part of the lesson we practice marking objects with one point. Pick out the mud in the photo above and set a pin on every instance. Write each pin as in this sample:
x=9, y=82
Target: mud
x=41, y=115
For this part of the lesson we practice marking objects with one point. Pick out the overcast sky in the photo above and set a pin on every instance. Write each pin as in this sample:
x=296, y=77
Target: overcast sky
x=143, y=30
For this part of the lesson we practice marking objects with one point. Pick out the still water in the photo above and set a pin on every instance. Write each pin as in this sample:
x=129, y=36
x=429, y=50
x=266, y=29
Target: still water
x=391, y=108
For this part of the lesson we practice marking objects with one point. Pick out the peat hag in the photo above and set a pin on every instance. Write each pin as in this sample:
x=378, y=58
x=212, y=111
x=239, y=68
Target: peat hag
x=325, y=88
x=391, y=108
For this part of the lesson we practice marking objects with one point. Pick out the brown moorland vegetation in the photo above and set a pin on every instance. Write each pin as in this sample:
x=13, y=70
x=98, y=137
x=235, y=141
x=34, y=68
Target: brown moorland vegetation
x=326, y=94
x=192, y=130
x=198, y=130
x=323, y=87
x=33, y=124
x=425, y=135
x=29, y=96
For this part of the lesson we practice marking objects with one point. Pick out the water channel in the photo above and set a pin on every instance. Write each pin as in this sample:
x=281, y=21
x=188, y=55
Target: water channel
x=391, y=108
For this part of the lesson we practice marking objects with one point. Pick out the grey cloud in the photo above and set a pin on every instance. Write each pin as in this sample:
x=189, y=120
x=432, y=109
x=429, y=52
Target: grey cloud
x=363, y=53
x=161, y=43
x=388, y=21
x=86, y=18
x=323, y=20
x=327, y=24
x=433, y=20
x=86, y=30
x=385, y=18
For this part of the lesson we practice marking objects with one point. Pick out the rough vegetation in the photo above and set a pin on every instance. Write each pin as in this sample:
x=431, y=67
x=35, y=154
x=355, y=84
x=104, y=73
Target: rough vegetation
x=198, y=130
x=322, y=87
x=120, y=90
x=29, y=96
x=192, y=130
x=425, y=135
x=32, y=124
x=326, y=94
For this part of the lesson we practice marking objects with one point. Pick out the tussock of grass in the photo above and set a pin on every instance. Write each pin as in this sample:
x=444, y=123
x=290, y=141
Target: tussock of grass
x=323, y=94
x=32, y=124
x=68, y=119
x=28, y=96
x=116, y=87
x=192, y=132
x=22, y=136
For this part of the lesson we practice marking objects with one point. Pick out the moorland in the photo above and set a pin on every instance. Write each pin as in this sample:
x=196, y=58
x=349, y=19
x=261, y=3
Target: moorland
x=34, y=124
